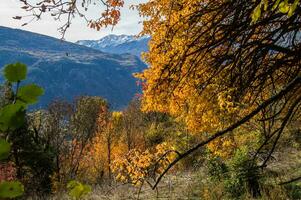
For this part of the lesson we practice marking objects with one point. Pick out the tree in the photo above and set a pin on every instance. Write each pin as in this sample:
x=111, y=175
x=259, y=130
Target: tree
x=133, y=123
x=107, y=145
x=137, y=167
x=110, y=133
x=70, y=129
x=212, y=67
x=83, y=127
x=54, y=125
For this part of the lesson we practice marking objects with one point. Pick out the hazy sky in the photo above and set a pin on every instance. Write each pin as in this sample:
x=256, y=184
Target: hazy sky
x=129, y=23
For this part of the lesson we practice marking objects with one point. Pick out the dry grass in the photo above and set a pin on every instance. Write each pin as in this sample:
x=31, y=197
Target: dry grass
x=196, y=186
x=173, y=187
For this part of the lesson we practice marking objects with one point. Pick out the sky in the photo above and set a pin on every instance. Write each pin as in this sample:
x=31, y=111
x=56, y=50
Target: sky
x=130, y=23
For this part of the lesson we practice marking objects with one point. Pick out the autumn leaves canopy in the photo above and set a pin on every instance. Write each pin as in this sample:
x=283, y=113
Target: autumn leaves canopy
x=209, y=66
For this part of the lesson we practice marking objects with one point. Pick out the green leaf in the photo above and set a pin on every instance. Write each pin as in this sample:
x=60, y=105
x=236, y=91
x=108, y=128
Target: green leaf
x=77, y=190
x=293, y=8
x=12, y=117
x=15, y=72
x=276, y=4
x=265, y=4
x=86, y=189
x=284, y=7
x=4, y=149
x=11, y=189
x=30, y=93
x=72, y=184
x=256, y=13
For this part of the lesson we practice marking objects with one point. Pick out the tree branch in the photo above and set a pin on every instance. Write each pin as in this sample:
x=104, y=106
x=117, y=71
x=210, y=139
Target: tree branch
x=283, y=92
x=290, y=181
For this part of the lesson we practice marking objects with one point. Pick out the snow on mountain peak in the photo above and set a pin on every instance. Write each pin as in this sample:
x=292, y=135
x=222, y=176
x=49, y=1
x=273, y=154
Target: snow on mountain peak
x=119, y=44
x=110, y=40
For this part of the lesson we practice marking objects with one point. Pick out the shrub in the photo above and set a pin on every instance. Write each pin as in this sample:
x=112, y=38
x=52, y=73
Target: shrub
x=217, y=169
x=293, y=190
x=244, y=175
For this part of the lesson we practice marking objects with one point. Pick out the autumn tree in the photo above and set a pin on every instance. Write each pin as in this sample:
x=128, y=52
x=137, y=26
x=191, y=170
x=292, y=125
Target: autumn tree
x=83, y=127
x=217, y=69
x=107, y=145
x=138, y=167
x=133, y=124
x=107, y=135
x=111, y=133
x=138, y=127
x=68, y=128
x=143, y=130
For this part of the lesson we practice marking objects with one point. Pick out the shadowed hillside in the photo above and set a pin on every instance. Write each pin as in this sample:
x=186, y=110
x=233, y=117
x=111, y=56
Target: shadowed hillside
x=67, y=70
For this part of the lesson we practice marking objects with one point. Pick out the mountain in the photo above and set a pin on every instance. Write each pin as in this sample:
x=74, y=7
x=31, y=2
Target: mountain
x=118, y=44
x=66, y=70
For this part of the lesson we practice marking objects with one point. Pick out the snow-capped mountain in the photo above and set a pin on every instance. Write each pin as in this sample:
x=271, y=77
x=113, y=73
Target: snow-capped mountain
x=110, y=40
x=119, y=44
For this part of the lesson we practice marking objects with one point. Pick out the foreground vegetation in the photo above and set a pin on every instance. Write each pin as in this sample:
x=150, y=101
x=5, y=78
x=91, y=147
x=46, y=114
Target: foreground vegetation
x=221, y=102
x=84, y=150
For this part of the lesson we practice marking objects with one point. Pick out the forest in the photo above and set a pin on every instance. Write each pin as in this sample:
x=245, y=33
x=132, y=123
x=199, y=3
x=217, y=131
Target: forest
x=218, y=117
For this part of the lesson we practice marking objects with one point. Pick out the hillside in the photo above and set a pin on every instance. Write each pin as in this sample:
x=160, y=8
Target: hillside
x=67, y=70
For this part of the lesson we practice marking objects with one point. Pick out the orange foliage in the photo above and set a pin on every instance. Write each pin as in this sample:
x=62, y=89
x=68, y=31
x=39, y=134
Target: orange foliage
x=110, y=16
x=137, y=166
x=205, y=72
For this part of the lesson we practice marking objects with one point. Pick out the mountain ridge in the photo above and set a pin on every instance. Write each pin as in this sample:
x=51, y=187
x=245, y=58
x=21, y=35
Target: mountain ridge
x=67, y=70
